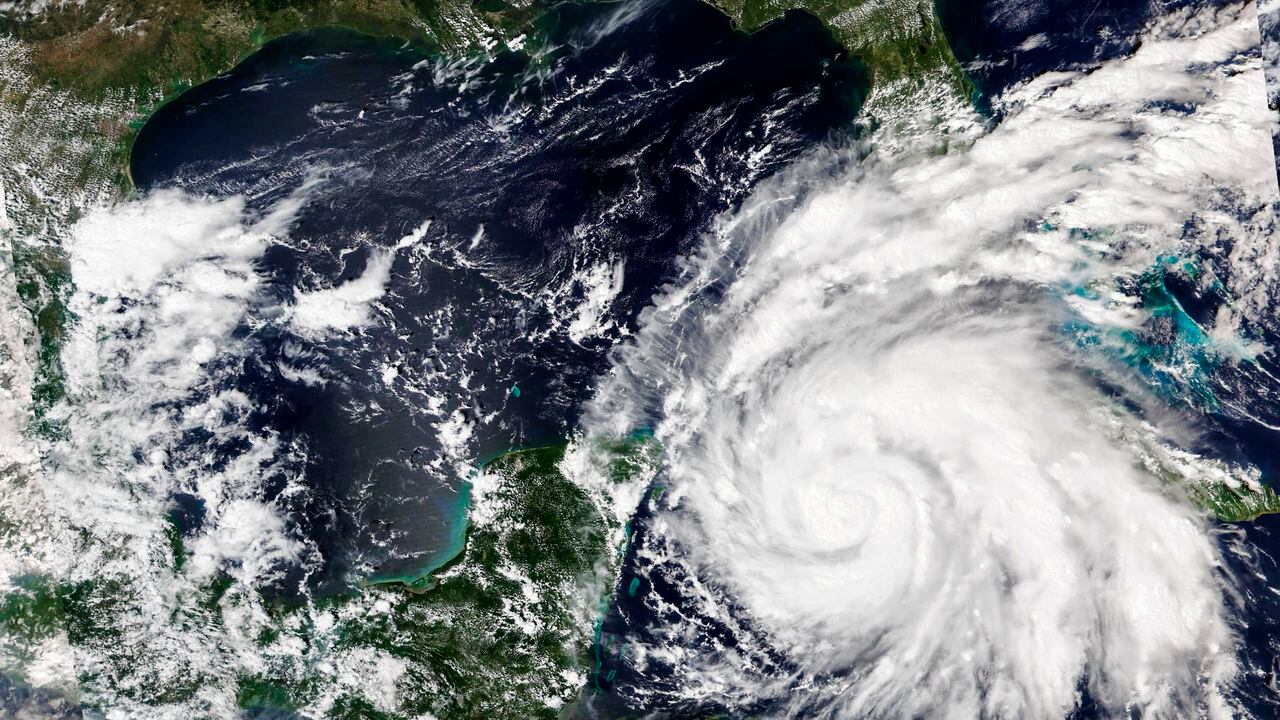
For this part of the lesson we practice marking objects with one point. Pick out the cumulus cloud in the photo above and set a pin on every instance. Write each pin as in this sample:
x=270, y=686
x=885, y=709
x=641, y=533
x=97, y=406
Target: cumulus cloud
x=161, y=286
x=348, y=305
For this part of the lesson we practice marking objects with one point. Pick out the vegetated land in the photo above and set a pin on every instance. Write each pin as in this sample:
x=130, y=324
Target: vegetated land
x=80, y=79
x=500, y=631
x=898, y=40
x=149, y=51
x=99, y=49
x=77, y=79
x=1236, y=505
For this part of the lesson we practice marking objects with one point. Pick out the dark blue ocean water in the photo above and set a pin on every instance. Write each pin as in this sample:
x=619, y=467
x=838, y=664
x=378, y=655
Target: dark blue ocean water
x=617, y=145
x=1001, y=43
x=990, y=38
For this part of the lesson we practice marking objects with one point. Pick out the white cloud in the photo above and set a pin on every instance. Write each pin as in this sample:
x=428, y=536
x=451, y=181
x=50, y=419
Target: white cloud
x=877, y=444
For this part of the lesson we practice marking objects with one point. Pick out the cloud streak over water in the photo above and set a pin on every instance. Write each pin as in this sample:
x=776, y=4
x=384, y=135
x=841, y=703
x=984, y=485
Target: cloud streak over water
x=887, y=445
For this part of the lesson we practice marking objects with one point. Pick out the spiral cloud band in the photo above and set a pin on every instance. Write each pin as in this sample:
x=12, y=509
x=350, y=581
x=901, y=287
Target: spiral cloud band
x=883, y=445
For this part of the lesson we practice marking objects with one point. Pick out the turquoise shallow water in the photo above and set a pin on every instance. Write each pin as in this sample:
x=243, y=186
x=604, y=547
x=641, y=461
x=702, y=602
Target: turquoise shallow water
x=589, y=171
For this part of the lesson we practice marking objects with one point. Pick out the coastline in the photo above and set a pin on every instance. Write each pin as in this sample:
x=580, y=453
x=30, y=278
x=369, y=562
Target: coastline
x=424, y=580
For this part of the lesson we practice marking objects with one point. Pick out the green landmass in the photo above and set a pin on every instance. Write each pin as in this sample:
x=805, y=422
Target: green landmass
x=505, y=631
x=152, y=51
x=534, y=561
x=1176, y=358
x=116, y=61
x=91, y=73
x=896, y=39
x=1236, y=505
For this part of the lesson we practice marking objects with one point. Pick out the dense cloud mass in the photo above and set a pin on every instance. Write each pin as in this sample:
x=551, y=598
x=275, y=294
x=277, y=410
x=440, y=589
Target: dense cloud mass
x=886, y=442
x=930, y=423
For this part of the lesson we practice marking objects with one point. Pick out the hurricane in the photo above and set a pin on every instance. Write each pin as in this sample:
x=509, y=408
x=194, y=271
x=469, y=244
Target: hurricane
x=915, y=463
x=670, y=359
